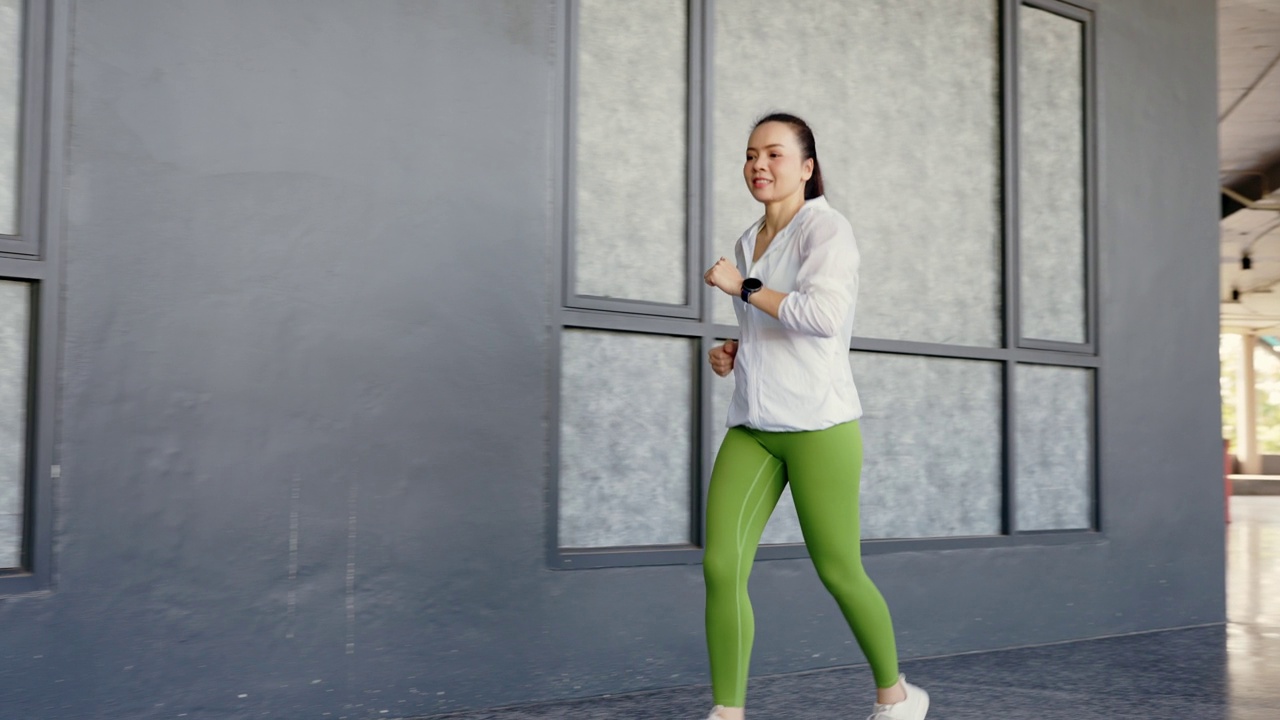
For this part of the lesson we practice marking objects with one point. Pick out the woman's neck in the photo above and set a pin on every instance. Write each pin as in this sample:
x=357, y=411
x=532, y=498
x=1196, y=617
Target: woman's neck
x=778, y=214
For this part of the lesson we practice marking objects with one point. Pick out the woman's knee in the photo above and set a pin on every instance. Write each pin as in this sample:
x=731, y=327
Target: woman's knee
x=842, y=575
x=720, y=566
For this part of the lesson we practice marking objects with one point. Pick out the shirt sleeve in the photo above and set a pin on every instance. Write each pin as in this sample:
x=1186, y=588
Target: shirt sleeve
x=740, y=256
x=827, y=281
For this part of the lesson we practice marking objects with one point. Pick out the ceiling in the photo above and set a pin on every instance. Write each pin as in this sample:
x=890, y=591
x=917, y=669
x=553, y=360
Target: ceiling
x=1249, y=163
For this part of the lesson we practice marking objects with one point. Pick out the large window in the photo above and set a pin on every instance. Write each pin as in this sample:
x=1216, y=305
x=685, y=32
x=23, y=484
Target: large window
x=956, y=135
x=28, y=298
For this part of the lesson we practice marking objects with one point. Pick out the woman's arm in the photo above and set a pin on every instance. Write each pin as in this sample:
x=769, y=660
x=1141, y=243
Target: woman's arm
x=722, y=357
x=725, y=276
x=768, y=300
x=826, y=283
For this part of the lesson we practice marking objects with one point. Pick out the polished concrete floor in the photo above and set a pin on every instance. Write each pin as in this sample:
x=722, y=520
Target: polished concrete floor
x=1227, y=672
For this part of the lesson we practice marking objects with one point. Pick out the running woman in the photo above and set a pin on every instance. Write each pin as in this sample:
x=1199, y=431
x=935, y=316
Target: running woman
x=793, y=419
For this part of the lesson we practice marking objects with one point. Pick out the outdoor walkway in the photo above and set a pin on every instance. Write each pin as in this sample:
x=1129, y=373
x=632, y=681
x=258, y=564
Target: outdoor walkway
x=1227, y=672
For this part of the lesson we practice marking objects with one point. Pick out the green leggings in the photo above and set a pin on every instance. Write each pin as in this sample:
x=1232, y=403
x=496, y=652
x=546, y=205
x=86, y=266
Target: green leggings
x=751, y=470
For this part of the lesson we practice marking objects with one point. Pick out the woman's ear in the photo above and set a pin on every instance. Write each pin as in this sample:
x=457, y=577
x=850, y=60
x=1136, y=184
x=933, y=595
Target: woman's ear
x=808, y=170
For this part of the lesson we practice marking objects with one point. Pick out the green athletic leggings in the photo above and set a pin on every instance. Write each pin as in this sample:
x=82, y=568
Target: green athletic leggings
x=751, y=470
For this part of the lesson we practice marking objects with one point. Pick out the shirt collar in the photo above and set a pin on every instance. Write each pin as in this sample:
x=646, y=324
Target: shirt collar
x=818, y=202
x=748, y=242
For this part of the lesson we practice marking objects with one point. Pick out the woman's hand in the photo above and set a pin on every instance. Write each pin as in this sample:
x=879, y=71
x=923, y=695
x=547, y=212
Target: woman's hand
x=722, y=357
x=724, y=275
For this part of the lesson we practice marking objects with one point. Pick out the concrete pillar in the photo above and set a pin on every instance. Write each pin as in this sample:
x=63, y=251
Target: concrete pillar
x=1247, y=409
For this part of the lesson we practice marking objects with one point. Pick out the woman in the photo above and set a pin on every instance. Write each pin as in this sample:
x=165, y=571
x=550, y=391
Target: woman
x=794, y=417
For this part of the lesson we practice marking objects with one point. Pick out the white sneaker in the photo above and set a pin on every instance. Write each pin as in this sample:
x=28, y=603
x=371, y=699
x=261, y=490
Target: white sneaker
x=913, y=708
x=715, y=713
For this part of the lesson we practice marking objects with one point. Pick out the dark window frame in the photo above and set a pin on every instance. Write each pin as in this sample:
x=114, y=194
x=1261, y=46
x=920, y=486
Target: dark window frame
x=1082, y=13
x=694, y=227
x=694, y=319
x=31, y=98
x=35, y=259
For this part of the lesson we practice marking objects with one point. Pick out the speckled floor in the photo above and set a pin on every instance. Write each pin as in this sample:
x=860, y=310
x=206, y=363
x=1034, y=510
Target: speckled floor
x=1211, y=673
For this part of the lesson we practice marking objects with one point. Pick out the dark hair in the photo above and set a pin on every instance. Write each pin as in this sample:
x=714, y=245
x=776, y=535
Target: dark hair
x=808, y=149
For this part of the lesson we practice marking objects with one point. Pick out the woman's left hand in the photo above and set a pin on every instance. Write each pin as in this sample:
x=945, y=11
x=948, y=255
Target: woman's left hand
x=724, y=275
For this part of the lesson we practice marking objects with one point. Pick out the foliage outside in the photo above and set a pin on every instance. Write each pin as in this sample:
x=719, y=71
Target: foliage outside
x=1267, y=377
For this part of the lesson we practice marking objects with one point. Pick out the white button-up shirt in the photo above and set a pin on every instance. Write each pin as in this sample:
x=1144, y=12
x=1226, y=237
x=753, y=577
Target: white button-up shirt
x=792, y=373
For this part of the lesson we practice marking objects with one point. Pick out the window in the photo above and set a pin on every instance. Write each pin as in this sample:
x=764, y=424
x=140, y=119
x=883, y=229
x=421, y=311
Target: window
x=630, y=220
x=1052, y=215
x=626, y=449
x=956, y=135
x=21, y=24
x=28, y=299
x=11, y=69
x=628, y=431
x=1054, y=408
x=15, y=342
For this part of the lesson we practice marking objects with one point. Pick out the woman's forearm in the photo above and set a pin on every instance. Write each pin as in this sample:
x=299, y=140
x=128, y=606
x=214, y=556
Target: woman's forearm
x=767, y=300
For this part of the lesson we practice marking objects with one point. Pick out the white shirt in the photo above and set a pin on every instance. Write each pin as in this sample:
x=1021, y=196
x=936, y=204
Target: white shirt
x=792, y=373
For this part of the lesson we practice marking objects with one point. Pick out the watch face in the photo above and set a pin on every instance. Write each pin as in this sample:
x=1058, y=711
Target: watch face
x=752, y=284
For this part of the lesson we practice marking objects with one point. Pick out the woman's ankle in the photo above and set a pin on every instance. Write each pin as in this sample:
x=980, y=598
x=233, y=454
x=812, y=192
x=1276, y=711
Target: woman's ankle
x=730, y=713
x=893, y=694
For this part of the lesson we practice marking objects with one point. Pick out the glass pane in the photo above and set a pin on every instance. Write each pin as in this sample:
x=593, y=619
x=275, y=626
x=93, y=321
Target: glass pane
x=626, y=439
x=10, y=112
x=632, y=150
x=932, y=445
x=783, y=526
x=904, y=101
x=15, y=323
x=1054, y=427
x=1051, y=176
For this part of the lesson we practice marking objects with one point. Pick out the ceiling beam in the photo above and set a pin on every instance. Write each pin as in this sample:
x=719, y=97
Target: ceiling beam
x=1253, y=185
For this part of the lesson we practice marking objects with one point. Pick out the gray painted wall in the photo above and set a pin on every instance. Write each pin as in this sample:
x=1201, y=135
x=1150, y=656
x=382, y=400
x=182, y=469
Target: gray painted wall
x=307, y=257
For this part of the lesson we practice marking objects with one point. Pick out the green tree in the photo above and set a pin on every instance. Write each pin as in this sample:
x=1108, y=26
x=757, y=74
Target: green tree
x=1266, y=363
x=1229, y=357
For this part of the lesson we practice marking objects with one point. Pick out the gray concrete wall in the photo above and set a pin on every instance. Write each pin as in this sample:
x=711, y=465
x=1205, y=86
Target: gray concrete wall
x=307, y=296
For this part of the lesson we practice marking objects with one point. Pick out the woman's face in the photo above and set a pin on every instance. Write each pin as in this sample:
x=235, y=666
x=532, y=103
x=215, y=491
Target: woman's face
x=775, y=169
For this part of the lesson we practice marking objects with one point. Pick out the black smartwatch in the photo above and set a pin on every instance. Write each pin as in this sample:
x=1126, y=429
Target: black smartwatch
x=749, y=287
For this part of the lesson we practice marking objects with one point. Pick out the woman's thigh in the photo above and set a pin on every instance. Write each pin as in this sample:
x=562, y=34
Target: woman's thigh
x=824, y=468
x=746, y=482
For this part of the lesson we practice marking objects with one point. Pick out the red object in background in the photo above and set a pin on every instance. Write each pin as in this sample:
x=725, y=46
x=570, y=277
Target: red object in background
x=1226, y=475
